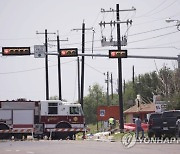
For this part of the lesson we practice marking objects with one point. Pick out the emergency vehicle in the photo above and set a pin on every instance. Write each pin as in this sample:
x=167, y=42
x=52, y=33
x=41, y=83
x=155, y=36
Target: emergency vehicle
x=52, y=118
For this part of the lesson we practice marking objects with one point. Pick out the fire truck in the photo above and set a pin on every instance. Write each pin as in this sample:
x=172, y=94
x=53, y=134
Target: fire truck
x=52, y=118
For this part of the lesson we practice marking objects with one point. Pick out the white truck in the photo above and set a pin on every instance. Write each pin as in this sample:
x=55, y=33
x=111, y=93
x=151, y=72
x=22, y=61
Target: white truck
x=51, y=118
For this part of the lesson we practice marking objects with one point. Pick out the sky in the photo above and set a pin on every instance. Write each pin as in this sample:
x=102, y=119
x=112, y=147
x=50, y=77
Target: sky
x=24, y=76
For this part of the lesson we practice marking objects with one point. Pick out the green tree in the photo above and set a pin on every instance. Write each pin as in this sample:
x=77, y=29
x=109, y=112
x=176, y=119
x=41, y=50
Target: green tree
x=91, y=102
x=165, y=82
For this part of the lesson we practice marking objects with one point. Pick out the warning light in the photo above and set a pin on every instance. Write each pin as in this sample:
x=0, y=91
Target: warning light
x=15, y=51
x=117, y=53
x=70, y=52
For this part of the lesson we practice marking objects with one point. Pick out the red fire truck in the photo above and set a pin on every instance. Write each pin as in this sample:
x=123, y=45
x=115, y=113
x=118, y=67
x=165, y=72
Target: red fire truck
x=51, y=118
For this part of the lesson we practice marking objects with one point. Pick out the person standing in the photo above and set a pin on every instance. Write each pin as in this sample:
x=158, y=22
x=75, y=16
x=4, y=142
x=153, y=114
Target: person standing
x=139, y=127
x=112, y=123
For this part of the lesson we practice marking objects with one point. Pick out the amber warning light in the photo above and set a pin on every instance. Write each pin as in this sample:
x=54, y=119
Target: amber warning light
x=15, y=51
x=117, y=53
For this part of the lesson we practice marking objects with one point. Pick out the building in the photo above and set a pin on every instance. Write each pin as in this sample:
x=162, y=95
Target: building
x=140, y=110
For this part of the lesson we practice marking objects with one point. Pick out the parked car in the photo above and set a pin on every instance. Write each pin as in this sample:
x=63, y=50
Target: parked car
x=169, y=119
x=165, y=124
x=155, y=125
x=178, y=128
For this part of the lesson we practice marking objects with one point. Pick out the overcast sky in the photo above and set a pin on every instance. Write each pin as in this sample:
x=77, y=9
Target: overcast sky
x=24, y=77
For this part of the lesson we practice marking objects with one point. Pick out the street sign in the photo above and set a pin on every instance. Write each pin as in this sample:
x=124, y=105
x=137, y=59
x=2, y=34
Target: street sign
x=15, y=51
x=117, y=53
x=39, y=51
x=160, y=106
x=69, y=52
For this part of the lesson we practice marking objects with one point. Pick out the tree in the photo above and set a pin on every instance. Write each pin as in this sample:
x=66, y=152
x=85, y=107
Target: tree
x=165, y=82
x=91, y=102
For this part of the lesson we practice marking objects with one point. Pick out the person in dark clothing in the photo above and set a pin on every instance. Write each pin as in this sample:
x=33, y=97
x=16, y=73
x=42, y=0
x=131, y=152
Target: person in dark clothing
x=139, y=128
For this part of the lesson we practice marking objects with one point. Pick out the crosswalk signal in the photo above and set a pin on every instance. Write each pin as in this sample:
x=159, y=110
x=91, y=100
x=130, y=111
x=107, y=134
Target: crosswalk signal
x=15, y=51
x=70, y=52
x=117, y=53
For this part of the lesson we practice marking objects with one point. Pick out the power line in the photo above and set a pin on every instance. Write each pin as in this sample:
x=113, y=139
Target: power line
x=133, y=35
x=150, y=38
x=95, y=69
x=34, y=69
x=151, y=30
x=140, y=48
x=152, y=9
x=169, y=5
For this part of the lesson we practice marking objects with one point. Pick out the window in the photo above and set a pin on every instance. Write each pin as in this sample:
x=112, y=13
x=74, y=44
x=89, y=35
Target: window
x=52, y=108
x=171, y=114
x=74, y=110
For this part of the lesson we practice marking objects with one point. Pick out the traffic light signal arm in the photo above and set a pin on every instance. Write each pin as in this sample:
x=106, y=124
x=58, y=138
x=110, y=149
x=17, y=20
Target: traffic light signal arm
x=15, y=51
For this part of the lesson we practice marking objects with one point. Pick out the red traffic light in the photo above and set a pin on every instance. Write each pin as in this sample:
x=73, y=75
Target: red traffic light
x=70, y=52
x=15, y=51
x=117, y=53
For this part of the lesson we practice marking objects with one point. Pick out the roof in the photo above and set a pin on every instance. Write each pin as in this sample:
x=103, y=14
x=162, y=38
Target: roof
x=144, y=108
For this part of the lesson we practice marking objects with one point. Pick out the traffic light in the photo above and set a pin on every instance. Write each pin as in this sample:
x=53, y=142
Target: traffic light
x=117, y=53
x=70, y=52
x=15, y=51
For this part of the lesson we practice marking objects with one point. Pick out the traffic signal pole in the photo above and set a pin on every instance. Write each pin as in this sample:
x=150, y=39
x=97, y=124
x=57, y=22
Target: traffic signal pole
x=82, y=64
x=59, y=69
x=122, y=55
x=121, y=120
x=46, y=66
x=59, y=64
x=46, y=62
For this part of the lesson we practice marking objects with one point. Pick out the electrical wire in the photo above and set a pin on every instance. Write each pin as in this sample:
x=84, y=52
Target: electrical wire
x=159, y=5
x=149, y=31
x=95, y=69
x=150, y=38
x=164, y=8
x=34, y=69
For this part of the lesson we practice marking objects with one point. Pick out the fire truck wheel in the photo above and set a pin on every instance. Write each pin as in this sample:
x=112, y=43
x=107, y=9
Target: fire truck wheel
x=63, y=135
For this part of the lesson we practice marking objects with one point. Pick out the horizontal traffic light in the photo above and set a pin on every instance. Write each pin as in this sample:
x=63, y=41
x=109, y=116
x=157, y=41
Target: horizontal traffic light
x=70, y=52
x=15, y=51
x=117, y=53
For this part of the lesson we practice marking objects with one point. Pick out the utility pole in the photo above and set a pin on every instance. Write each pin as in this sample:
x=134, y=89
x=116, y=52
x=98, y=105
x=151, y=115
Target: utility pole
x=111, y=86
x=97, y=107
x=119, y=43
x=119, y=71
x=107, y=82
x=46, y=62
x=133, y=75
x=124, y=87
x=79, y=86
x=178, y=61
x=82, y=64
x=59, y=64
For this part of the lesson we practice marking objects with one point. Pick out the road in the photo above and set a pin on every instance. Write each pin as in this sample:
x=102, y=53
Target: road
x=84, y=147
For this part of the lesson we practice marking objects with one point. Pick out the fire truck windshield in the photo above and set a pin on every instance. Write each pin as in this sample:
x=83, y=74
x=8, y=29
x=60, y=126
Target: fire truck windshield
x=76, y=110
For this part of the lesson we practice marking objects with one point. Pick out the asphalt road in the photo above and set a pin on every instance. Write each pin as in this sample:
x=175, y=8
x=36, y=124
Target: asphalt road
x=84, y=147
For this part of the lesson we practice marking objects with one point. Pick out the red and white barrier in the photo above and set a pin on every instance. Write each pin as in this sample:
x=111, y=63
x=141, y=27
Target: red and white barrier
x=17, y=131
x=66, y=130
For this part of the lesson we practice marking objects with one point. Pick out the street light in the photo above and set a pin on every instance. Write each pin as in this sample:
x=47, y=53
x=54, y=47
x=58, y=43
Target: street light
x=176, y=21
